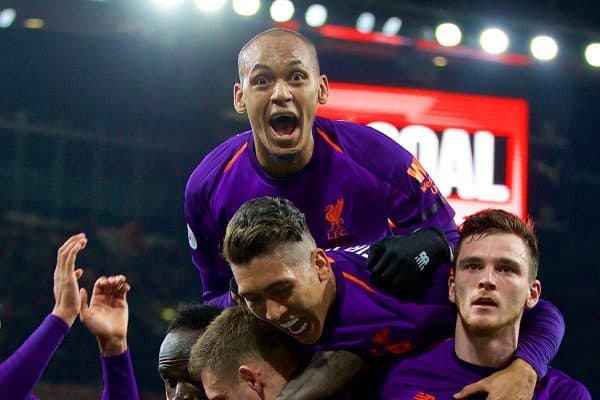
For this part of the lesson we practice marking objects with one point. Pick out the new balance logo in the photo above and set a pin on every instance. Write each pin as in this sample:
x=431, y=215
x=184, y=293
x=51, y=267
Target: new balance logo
x=422, y=260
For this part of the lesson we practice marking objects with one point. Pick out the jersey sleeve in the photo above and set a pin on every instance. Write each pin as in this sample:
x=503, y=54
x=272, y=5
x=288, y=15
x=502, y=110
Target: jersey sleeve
x=417, y=202
x=204, y=246
x=572, y=391
x=542, y=331
x=20, y=372
x=118, y=377
x=205, y=231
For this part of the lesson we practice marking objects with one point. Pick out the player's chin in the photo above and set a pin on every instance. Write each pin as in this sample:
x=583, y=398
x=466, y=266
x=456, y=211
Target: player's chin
x=286, y=154
x=483, y=326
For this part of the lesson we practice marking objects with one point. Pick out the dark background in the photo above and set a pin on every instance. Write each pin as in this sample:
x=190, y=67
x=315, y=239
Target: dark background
x=105, y=112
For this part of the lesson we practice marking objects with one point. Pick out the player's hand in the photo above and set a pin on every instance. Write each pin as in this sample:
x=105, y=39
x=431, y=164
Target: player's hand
x=515, y=382
x=403, y=265
x=66, y=287
x=107, y=315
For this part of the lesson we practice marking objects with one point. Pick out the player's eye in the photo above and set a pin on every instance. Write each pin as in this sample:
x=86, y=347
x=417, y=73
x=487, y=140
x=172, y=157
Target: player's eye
x=282, y=292
x=505, y=268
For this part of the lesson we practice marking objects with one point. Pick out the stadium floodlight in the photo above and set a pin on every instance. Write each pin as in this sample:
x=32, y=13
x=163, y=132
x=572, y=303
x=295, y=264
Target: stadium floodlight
x=392, y=26
x=439, y=61
x=246, y=7
x=592, y=54
x=282, y=10
x=543, y=48
x=7, y=17
x=167, y=4
x=316, y=15
x=448, y=34
x=365, y=22
x=494, y=41
x=34, y=23
x=209, y=5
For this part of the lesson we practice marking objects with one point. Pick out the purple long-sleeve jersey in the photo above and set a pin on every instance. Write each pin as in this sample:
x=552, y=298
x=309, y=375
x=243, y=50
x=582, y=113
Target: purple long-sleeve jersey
x=438, y=374
x=368, y=322
x=23, y=369
x=371, y=323
x=358, y=187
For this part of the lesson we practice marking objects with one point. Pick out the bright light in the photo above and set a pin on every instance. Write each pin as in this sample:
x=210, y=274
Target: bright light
x=392, y=26
x=448, y=34
x=316, y=15
x=439, y=61
x=543, y=48
x=365, y=22
x=167, y=3
x=494, y=41
x=7, y=17
x=34, y=23
x=246, y=7
x=592, y=54
x=209, y=5
x=282, y=10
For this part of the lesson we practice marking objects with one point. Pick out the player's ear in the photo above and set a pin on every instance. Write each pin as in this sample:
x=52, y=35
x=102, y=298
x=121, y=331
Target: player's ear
x=451, y=287
x=248, y=376
x=535, y=291
x=321, y=263
x=238, y=98
x=323, y=89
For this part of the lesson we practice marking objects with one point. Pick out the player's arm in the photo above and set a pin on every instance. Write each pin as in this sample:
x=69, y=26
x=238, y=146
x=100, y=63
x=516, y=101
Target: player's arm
x=204, y=244
x=23, y=369
x=542, y=330
x=424, y=232
x=118, y=377
x=107, y=317
x=327, y=374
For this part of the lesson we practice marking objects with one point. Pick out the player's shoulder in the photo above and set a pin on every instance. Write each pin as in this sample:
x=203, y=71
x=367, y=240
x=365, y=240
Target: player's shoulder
x=357, y=138
x=562, y=386
x=213, y=164
x=365, y=146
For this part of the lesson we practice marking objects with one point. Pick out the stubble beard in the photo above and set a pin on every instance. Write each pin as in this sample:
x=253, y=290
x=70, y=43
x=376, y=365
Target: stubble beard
x=487, y=329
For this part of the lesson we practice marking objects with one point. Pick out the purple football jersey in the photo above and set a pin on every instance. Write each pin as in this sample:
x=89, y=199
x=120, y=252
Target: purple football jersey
x=368, y=322
x=23, y=369
x=437, y=374
x=358, y=187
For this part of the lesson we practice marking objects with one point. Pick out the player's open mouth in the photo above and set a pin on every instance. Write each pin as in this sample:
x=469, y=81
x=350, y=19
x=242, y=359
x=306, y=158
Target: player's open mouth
x=485, y=301
x=294, y=326
x=283, y=124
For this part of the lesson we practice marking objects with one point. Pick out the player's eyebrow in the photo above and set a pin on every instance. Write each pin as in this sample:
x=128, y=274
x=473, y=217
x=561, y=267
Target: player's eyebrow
x=272, y=286
x=266, y=67
x=259, y=67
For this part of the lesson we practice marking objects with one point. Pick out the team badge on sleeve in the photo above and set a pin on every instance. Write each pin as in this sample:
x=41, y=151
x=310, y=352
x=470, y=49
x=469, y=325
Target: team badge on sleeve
x=192, y=238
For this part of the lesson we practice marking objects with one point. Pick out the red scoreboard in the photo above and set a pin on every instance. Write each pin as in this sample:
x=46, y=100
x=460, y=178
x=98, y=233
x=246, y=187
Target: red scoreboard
x=474, y=147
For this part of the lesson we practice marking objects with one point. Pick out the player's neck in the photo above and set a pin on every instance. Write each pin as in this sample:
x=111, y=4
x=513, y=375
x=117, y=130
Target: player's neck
x=282, y=166
x=330, y=295
x=490, y=349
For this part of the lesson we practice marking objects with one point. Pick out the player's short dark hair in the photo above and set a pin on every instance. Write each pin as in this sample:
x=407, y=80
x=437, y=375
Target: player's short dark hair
x=272, y=31
x=235, y=337
x=492, y=221
x=260, y=225
x=193, y=316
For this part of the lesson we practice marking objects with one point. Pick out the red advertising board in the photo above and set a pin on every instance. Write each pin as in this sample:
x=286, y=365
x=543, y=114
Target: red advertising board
x=475, y=147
